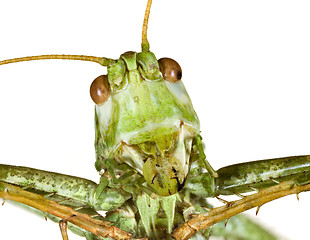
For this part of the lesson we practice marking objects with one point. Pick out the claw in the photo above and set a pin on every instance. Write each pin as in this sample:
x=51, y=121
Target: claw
x=227, y=203
x=257, y=210
x=49, y=194
x=239, y=195
x=45, y=215
x=297, y=195
x=226, y=221
x=64, y=200
x=275, y=181
x=222, y=200
x=193, y=215
x=206, y=208
x=28, y=186
x=254, y=189
x=79, y=208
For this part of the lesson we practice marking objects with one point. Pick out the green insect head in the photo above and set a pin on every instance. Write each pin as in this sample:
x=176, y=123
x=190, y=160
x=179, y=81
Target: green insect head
x=144, y=118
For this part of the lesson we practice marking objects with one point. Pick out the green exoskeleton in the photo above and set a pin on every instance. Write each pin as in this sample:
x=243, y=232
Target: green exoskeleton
x=153, y=173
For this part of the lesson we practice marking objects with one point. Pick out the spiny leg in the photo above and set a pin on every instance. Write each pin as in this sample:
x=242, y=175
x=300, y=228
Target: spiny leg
x=203, y=221
x=256, y=175
x=84, y=221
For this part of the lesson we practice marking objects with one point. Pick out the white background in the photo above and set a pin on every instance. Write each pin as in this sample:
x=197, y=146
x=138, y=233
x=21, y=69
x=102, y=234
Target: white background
x=245, y=65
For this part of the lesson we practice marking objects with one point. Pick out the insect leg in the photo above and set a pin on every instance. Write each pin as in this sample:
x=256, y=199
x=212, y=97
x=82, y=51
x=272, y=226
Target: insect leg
x=249, y=176
x=61, y=187
x=245, y=177
x=75, y=193
x=84, y=221
x=206, y=220
x=235, y=228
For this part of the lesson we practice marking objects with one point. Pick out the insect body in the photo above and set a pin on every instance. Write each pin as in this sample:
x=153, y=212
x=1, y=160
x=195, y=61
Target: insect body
x=140, y=169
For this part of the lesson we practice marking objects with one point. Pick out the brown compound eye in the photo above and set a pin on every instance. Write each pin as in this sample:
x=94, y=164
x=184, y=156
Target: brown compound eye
x=170, y=69
x=100, y=89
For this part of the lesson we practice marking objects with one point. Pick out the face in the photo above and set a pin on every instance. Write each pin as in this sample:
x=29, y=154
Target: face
x=145, y=118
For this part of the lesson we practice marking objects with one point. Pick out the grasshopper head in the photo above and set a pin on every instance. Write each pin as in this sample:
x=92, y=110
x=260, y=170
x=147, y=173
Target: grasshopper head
x=144, y=118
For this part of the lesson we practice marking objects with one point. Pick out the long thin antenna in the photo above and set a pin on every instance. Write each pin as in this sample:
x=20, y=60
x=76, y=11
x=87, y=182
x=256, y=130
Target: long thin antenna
x=101, y=60
x=145, y=43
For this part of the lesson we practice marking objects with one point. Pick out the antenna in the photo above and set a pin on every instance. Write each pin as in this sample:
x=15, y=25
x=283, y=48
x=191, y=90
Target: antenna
x=145, y=43
x=101, y=60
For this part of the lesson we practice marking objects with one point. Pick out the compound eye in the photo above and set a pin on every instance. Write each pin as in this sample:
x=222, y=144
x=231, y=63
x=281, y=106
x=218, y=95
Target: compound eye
x=170, y=69
x=100, y=89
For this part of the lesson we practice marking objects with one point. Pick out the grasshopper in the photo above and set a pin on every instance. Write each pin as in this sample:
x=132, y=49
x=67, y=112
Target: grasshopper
x=62, y=167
